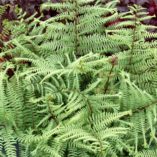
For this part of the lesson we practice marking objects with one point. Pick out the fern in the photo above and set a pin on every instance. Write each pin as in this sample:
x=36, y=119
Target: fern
x=79, y=85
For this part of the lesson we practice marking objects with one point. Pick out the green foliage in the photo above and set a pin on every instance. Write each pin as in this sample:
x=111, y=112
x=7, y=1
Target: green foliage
x=79, y=85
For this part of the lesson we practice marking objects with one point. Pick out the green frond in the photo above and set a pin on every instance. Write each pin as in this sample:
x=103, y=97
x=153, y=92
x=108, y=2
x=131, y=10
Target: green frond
x=147, y=153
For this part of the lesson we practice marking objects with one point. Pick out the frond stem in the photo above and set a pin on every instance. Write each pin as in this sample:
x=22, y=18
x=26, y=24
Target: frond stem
x=75, y=26
x=108, y=79
x=132, y=44
x=52, y=114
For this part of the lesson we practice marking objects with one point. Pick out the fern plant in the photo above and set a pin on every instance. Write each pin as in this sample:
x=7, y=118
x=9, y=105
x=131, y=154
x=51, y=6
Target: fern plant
x=78, y=86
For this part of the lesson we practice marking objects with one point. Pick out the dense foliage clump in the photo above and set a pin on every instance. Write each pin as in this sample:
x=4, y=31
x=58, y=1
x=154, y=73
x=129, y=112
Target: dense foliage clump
x=82, y=83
